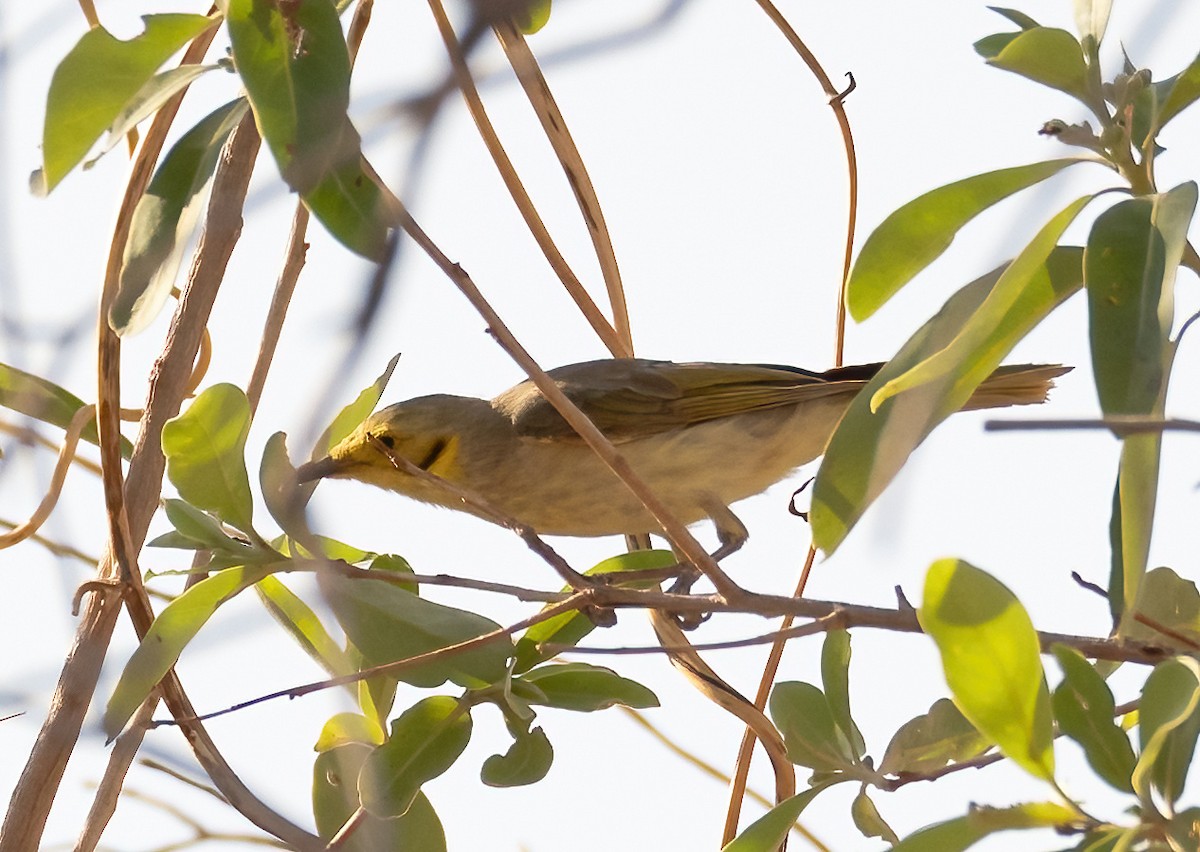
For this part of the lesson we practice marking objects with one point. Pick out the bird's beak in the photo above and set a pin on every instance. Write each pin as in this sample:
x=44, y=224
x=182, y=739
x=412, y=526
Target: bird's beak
x=319, y=469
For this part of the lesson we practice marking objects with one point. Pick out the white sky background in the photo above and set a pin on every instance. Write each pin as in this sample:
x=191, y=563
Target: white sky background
x=722, y=179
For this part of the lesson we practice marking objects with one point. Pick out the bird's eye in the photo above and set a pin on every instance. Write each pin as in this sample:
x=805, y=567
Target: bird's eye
x=387, y=440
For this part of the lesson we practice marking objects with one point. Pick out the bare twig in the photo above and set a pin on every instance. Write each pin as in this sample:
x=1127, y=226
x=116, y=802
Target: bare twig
x=29, y=436
x=104, y=804
x=56, y=548
x=836, y=99
x=150, y=763
x=711, y=771
x=574, y=602
x=462, y=73
x=66, y=454
x=538, y=91
x=1121, y=426
x=35, y=790
x=1158, y=627
x=826, y=615
x=820, y=625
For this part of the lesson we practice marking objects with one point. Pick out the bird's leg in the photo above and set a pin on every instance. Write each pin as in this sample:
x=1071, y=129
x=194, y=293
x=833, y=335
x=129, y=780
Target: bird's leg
x=732, y=534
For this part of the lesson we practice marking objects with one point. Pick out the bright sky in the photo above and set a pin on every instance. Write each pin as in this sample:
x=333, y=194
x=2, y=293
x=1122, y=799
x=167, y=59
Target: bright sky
x=723, y=183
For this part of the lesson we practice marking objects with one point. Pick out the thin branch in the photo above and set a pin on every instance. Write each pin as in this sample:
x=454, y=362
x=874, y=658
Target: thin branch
x=462, y=74
x=66, y=454
x=554, y=124
x=574, y=602
x=293, y=263
x=1158, y=627
x=104, y=804
x=31, y=437
x=826, y=615
x=771, y=667
x=150, y=763
x=519, y=592
x=1119, y=425
x=821, y=625
x=711, y=771
x=56, y=548
x=39, y=781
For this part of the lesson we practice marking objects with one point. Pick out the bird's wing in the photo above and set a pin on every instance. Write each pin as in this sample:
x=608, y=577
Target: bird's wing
x=633, y=398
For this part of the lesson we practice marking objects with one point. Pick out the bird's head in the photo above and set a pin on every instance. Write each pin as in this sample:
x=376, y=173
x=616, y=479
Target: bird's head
x=419, y=431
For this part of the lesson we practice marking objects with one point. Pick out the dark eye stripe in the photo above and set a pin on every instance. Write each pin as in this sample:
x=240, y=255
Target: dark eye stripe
x=435, y=452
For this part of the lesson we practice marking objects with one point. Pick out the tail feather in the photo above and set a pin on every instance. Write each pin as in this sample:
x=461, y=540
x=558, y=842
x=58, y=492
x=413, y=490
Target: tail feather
x=1016, y=384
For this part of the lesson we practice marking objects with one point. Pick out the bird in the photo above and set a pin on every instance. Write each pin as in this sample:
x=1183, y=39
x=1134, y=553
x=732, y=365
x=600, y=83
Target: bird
x=702, y=435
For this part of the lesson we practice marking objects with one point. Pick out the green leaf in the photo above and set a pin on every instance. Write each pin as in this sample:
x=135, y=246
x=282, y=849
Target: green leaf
x=284, y=496
x=1169, y=722
x=331, y=548
x=335, y=799
x=1184, y=91
x=1083, y=706
x=930, y=741
x=990, y=654
x=1116, y=561
x=170, y=632
x=584, y=688
x=1021, y=297
x=158, y=90
x=96, y=80
x=348, y=418
x=343, y=728
x=767, y=832
x=1132, y=254
x=304, y=626
x=568, y=628
x=1166, y=598
x=533, y=17
x=1108, y=840
x=812, y=737
x=964, y=832
x=394, y=564
x=176, y=541
x=294, y=63
x=1184, y=829
x=1137, y=490
x=206, y=454
x=867, y=819
x=1017, y=17
x=387, y=623
x=918, y=233
x=835, y=677
x=205, y=531
x=425, y=741
x=1091, y=19
x=1048, y=56
x=353, y=205
x=165, y=218
x=35, y=397
x=869, y=448
x=527, y=761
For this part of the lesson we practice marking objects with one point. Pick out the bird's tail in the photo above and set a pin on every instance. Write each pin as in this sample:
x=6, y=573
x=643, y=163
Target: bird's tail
x=1016, y=384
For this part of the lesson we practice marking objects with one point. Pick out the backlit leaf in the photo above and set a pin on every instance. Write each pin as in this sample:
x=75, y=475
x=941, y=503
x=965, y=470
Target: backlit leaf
x=991, y=657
